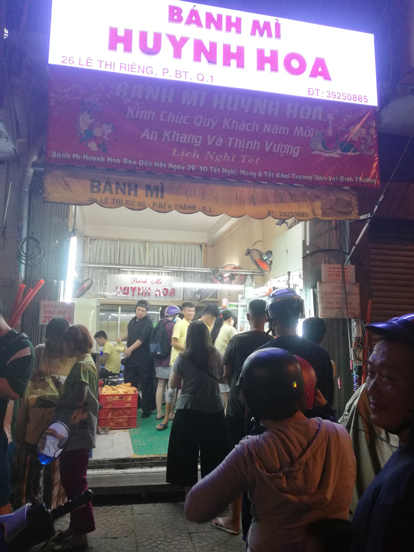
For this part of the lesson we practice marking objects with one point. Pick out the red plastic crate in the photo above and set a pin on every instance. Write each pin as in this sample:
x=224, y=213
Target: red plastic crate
x=118, y=422
x=119, y=411
x=120, y=400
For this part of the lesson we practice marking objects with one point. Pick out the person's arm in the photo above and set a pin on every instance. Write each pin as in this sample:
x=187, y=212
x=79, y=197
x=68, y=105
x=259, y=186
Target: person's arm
x=322, y=409
x=176, y=336
x=227, y=373
x=77, y=397
x=221, y=378
x=213, y=493
x=174, y=380
x=333, y=368
x=176, y=373
x=228, y=362
x=103, y=359
x=143, y=338
x=131, y=348
x=19, y=370
x=6, y=392
x=37, y=372
x=175, y=343
x=233, y=331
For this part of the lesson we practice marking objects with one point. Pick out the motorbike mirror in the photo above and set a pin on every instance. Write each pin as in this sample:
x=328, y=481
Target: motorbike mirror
x=52, y=443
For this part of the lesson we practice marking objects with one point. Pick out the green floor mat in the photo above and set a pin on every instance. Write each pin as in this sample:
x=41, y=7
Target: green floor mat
x=146, y=440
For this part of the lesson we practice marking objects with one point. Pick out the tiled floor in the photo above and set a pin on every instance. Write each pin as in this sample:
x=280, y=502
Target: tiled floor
x=156, y=528
x=144, y=440
x=117, y=444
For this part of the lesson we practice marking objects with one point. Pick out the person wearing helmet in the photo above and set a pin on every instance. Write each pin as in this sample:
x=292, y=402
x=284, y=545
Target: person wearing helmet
x=163, y=365
x=284, y=308
x=139, y=364
x=298, y=471
x=384, y=518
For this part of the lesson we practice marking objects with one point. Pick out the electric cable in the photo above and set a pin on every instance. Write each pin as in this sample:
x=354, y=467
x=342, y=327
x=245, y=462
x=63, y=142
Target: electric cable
x=345, y=294
x=374, y=212
x=31, y=251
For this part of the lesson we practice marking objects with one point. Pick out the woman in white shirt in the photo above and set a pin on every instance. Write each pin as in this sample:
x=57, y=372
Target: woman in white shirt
x=223, y=330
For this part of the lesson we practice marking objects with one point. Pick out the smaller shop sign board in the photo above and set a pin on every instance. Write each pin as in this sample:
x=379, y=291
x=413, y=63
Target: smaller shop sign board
x=331, y=300
x=334, y=273
x=151, y=288
x=56, y=309
x=85, y=187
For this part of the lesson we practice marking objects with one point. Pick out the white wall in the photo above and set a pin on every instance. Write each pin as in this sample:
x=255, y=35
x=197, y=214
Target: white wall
x=287, y=251
x=143, y=234
x=245, y=234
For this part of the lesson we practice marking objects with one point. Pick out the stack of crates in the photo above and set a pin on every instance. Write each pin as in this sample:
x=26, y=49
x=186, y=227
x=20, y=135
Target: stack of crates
x=119, y=411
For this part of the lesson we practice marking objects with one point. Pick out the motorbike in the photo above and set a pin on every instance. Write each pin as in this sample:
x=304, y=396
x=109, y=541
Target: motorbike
x=34, y=523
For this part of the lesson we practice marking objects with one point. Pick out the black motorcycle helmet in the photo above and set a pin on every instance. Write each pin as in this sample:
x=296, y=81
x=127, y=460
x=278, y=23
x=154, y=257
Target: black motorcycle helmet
x=284, y=305
x=272, y=384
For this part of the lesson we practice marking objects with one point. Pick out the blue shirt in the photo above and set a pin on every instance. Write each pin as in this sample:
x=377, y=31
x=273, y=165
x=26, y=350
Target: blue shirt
x=384, y=517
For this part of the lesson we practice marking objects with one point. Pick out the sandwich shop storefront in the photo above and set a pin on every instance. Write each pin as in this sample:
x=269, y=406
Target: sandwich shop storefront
x=190, y=127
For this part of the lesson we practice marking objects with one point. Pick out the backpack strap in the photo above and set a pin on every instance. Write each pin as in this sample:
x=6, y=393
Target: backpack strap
x=18, y=337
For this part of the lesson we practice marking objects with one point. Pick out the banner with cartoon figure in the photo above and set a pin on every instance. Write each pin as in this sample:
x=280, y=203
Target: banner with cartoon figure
x=105, y=120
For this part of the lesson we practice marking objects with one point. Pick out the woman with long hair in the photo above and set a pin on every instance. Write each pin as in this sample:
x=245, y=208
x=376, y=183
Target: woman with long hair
x=199, y=423
x=223, y=330
x=52, y=367
x=78, y=408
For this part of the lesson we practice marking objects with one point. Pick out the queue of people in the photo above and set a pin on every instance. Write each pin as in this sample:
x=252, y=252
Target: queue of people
x=286, y=470
x=56, y=382
x=298, y=471
x=51, y=369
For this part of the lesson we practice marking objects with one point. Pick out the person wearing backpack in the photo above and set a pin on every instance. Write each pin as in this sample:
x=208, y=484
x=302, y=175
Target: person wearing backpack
x=160, y=349
x=16, y=366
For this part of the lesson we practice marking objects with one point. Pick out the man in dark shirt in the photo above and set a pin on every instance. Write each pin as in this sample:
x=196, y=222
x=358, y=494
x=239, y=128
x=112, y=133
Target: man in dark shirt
x=16, y=367
x=239, y=348
x=284, y=307
x=139, y=365
x=384, y=518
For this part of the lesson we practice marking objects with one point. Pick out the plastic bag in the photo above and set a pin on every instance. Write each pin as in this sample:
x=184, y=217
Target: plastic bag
x=120, y=347
x=39, y=391
x=39, y=402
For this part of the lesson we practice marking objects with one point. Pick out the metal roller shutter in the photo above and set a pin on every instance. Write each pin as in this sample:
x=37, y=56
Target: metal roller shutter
x=392, y=276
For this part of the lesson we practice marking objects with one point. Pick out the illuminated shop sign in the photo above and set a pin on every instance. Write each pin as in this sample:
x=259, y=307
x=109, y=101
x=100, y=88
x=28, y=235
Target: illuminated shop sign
x=182, y=41
x=143, y=286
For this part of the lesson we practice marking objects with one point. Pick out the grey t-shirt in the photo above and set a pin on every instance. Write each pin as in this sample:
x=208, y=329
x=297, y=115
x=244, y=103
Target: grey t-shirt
x=200, y=391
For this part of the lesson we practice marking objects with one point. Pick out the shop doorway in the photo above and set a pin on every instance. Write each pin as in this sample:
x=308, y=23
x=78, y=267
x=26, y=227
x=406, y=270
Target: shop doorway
x=114, y=241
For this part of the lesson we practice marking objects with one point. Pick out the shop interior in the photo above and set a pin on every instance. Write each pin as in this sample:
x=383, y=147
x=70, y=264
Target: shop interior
x=192, y=246
x=197, y=246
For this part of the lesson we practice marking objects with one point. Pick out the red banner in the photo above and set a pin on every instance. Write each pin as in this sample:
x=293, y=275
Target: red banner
x=133, y=123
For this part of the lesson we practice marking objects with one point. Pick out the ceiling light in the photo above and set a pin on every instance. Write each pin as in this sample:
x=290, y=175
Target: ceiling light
x=70, y=275
x=202, y=285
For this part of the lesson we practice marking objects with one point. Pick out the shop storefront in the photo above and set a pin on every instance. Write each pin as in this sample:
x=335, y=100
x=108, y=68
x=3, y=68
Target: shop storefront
x=197, y=132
